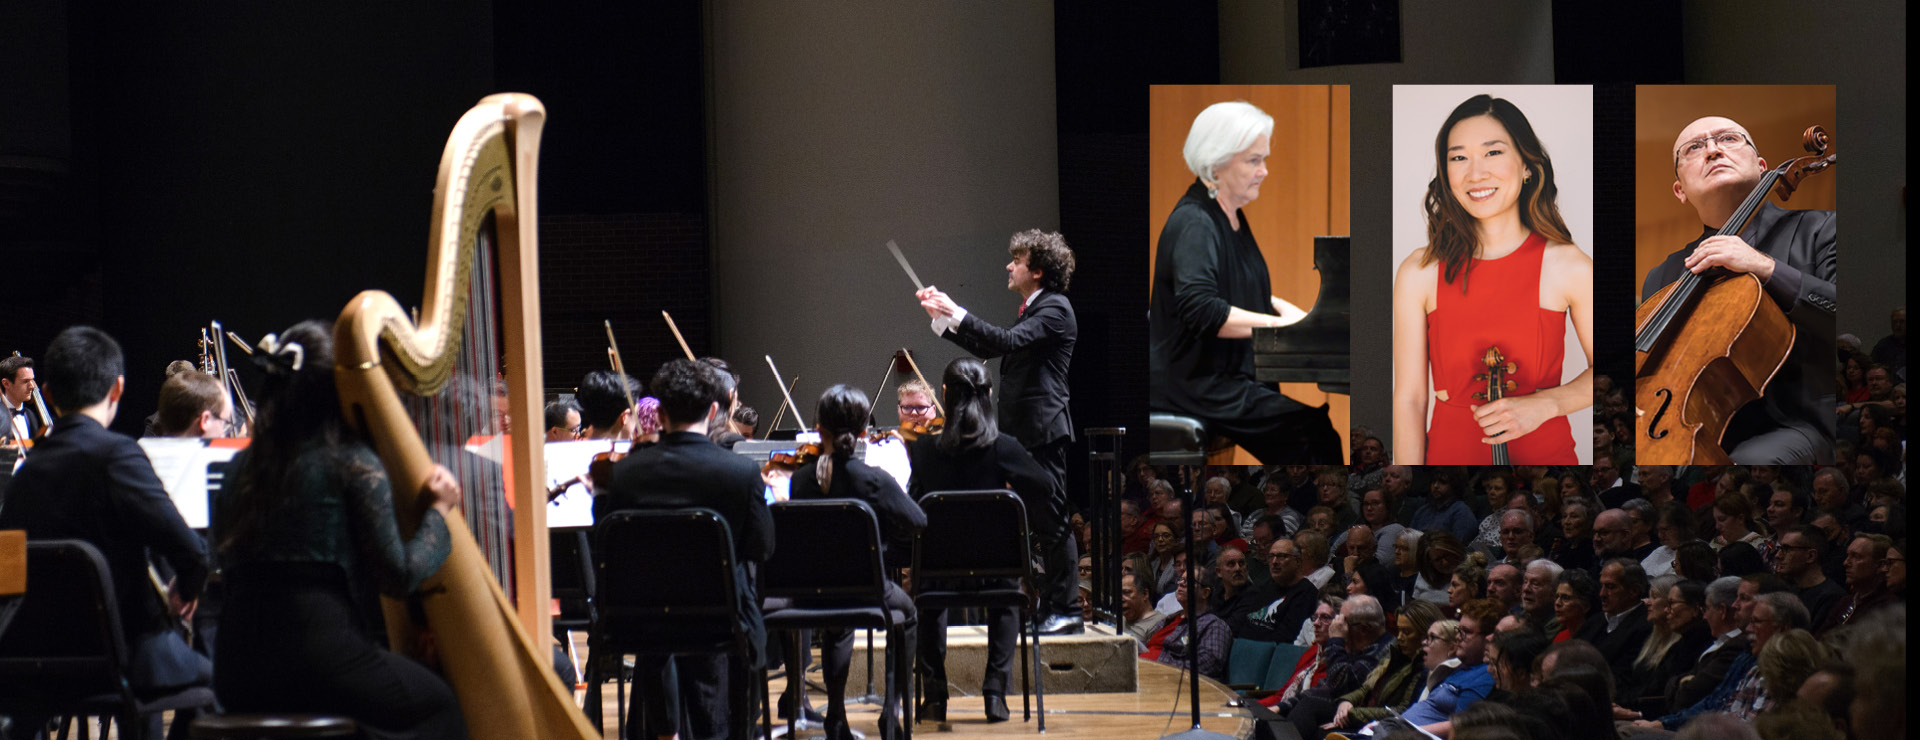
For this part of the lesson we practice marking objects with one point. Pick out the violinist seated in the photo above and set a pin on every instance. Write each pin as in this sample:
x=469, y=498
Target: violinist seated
x=1716, y=166
x=87, y=483
x=193, y=405
x=838, y=474
x=887, y=450
x=563, y=421
x=686, y=469
x=746, y=421
x=16, y=393
x=607, y=405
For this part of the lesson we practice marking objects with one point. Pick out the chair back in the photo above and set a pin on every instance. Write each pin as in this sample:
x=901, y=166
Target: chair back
x=1247, y=665
x=65, y=642
x=666, y=578
x=972, y=534
x=571, y=559
x=1286, y=657
x=829, y=551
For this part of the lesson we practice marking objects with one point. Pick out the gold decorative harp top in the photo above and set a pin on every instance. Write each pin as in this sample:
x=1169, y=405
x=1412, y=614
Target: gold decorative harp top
x=482, y=242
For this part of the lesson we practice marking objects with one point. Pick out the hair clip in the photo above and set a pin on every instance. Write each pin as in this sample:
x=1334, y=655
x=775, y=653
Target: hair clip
x=287, y=355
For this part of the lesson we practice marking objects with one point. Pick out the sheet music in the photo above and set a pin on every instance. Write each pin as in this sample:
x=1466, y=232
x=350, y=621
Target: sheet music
x=565, y=462
x=191, y=471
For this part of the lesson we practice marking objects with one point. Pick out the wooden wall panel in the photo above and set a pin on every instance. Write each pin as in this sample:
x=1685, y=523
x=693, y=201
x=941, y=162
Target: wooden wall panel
x=1306, y=193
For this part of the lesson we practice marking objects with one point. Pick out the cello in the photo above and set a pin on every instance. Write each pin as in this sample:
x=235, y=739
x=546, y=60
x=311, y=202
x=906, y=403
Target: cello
x=1709, y=343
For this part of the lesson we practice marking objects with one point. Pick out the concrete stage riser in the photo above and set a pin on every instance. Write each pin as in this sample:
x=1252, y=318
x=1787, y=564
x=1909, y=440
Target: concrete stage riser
x=1075, y=664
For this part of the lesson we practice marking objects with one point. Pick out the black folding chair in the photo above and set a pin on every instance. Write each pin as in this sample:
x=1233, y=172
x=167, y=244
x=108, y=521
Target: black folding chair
x=65, y=655
x=973, y=536
x=665, y=587
x=570, y=563
x=828, y=567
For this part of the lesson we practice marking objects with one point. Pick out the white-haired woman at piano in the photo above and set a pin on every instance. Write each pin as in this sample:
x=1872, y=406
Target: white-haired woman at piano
x=1211, y=290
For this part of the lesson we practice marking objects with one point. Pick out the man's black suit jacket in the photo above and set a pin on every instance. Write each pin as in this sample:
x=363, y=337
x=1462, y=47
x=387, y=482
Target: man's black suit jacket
x=1036, y=352
x=1801, y=394
x=687, y=470
x=1622, y=645
x=84, y=482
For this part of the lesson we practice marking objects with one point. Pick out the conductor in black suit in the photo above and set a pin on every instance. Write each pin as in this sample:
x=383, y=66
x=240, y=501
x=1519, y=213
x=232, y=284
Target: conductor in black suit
x=837, y=474
x=1716, y=166
x=686, y=469
x=86, y=483
x=1036, y=352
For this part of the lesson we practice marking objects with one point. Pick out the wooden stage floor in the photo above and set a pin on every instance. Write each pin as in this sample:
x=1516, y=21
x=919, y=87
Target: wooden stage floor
x=1147, y=714
x=1161, y=706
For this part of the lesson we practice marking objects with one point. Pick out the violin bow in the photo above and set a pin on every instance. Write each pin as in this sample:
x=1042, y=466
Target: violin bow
x=676, y=335
x=619, y=368
x=784, y=393
x=781, y=413
x=923, y=378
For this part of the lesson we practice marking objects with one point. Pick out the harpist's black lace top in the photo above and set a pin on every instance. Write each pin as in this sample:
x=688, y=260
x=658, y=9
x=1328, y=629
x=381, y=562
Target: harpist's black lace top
x=335, y=507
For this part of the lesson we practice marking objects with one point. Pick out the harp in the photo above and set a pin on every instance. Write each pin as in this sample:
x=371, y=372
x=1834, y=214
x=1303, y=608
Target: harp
x=413, y=384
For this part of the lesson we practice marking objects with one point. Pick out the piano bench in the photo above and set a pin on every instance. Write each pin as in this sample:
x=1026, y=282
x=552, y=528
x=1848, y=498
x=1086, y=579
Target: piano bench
x=1175, y=439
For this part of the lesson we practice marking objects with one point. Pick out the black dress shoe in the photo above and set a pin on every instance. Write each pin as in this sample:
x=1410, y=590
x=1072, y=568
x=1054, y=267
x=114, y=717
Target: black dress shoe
x=932, y=710
x=808, y=714
x=996, y=708
x=1061, y=624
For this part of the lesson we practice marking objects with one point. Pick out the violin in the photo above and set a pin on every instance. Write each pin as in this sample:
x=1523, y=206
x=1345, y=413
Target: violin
x=1709, y=343
x=794, y=459
x=911, y=431
x=1498, y=368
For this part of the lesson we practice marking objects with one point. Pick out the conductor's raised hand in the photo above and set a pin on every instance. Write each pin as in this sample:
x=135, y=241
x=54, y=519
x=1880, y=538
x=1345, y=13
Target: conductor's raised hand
x=936, y=303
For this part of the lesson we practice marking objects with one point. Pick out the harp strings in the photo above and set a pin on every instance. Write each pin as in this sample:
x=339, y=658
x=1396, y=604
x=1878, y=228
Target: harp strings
x=465, y=413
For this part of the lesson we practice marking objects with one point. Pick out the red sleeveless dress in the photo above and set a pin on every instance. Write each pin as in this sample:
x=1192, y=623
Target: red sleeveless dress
x=1496, y=303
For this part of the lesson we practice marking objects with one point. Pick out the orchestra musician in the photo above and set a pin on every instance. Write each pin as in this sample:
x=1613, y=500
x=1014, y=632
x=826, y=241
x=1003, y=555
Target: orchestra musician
x=309, y=542
x=604, y=408
x=1499, y=270
x=841, y=418
x=1211, y=289
x=563, y=421
x=973, y=455
x=85, y=482
x=686, y=469
x=1035, y=355
x=193, y=404
x=915, y=403
x=1716, y=165
x=16, y=392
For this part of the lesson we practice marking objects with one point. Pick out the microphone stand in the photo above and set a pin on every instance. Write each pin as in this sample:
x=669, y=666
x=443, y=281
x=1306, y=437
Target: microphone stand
x=1193, y=632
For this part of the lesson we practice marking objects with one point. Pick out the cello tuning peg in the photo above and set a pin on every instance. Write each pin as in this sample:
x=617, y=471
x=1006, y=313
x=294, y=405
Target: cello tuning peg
x=1480, y=376
x=1511, y=367
x=1509, y=385
x=1479, y=396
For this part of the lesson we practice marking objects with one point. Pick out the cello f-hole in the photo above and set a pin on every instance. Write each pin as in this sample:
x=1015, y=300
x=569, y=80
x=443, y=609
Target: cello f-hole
x=1653, y=427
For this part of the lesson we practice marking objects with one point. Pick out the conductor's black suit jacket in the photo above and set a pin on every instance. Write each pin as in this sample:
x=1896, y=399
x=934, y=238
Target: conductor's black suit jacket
x=1035, y=353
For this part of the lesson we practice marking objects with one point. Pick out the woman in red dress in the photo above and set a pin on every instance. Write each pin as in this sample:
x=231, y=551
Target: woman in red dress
x=1499, y=270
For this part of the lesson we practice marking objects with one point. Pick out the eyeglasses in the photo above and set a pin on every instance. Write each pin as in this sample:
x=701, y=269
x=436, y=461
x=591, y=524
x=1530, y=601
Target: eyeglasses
x=1282, y=556
x=1086, y=570
x=907, y=408
x=1697, y=148
x=1323, y=617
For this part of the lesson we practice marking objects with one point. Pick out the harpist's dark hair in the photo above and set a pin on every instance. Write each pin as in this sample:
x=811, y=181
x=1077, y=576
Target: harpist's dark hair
x=299, y=409
x=1450, y=229
x=969, y=401
x=842, y=415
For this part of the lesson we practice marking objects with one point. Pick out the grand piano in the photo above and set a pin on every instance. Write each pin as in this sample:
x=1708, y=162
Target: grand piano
x=1317, y=349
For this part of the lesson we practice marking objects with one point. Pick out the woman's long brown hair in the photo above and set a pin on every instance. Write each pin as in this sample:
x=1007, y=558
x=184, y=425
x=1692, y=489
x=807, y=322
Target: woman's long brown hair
x=1451, y=239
